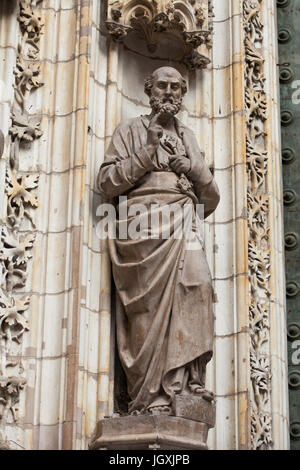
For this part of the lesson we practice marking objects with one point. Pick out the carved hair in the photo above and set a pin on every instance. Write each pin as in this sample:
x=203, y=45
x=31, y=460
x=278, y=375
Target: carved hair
x=149, y=84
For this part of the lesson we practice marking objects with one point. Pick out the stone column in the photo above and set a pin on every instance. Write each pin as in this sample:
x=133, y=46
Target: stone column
x=250, y=362
x=228, y=235
x=53, y=356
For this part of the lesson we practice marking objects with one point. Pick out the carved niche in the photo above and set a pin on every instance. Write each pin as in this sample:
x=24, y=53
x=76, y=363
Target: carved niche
x=179, y=30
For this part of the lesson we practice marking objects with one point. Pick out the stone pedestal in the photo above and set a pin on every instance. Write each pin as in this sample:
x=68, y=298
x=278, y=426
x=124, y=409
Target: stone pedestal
x=186, y=431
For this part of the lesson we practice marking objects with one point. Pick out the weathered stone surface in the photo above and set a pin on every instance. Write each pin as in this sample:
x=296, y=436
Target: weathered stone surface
x=90, y=86
x=195, y=408
x=143, y=432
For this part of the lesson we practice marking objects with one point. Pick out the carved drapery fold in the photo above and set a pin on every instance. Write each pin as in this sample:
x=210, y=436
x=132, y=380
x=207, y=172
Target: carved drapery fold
x=15, y=244
x=258, y=226
x=186, y=25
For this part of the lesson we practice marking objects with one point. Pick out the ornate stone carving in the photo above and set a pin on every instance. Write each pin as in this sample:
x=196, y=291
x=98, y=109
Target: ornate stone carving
x=10, y=388
x=195, y=60
x=196, y=38
x=258, y=224
x=118, y=31
x=31, y=26
x=257, y=160
x=15, y=252
x=24, y=128
x=27, y=75
x=187, y=22
x=20, y=198
x=12, y=321
x=16, y=248
x=261, y=431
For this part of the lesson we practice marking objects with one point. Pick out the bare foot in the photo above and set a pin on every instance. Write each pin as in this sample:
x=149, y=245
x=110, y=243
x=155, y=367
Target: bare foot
x=158, y=410
x=135, y=413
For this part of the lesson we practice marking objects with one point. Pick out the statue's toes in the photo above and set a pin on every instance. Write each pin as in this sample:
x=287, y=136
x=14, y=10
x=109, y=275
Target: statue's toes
x=157, y=410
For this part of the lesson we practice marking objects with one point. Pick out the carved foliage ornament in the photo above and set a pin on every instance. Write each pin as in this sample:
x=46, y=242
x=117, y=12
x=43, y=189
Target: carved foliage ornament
x=24, y=128
x=27, y=75
x=16, y=247
x=187, y=22
x=31, y=26
x=258, y=226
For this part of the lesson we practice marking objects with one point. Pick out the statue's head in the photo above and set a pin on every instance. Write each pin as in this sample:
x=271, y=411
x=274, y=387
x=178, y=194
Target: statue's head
x=166, y=88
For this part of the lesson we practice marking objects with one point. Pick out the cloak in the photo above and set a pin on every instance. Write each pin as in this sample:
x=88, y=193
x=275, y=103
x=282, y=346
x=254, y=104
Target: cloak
x=164, y=315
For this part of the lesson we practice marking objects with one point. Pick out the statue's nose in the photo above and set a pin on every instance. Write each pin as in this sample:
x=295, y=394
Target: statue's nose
x=168, y=91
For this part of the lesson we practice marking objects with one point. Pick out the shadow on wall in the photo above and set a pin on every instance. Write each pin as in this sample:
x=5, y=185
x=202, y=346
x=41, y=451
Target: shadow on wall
x=8, y=7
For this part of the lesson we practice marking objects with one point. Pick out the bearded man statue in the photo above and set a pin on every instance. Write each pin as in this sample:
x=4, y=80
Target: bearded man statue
x=164, y=314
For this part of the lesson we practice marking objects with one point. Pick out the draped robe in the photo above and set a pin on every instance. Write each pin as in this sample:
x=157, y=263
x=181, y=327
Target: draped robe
x=164, y=293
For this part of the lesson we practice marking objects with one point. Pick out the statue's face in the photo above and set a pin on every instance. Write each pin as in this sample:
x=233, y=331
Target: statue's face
x=167, y=85
x=166, y=90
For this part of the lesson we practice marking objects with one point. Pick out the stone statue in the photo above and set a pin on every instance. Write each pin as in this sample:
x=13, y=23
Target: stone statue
x=164, y=315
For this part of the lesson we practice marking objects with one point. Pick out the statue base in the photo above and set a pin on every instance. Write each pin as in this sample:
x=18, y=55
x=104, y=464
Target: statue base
x=186, y=431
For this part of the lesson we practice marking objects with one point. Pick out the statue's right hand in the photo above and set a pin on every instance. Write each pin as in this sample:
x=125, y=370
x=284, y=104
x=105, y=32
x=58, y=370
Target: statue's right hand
x=154, y=132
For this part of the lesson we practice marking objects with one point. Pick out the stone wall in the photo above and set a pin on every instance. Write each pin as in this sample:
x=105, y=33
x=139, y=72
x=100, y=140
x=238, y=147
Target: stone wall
x=91, y=83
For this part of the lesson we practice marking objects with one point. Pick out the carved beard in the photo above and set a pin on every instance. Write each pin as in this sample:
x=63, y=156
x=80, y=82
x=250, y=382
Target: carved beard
x=167, y=106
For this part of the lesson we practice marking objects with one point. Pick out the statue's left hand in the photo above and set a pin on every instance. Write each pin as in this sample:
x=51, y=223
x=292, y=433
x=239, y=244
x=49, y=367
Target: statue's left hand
x=180, y=164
